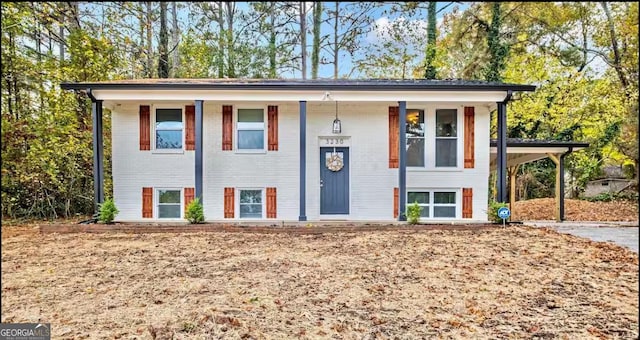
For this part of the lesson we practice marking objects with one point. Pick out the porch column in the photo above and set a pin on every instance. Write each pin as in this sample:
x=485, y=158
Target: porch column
x=402, y=168
x=501, y=157
x=513, y=172
x=303, y=161
x=198, y=165
x=98, y=154
x=558, y=160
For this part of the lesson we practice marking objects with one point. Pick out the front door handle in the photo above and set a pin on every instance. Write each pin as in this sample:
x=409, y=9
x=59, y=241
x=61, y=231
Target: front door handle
x=321, y=183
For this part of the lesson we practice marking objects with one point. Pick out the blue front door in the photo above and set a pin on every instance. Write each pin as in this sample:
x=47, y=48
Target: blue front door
x=334, y=181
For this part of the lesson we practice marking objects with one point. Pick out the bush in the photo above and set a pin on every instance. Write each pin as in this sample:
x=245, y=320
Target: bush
x=108, y=211
x=609, y=197
x=493, y=210
x=413, y=213
x=195, y=212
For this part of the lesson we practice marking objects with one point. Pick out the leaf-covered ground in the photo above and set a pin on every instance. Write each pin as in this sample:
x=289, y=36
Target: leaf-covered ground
x=576, y=210
x=518, y=282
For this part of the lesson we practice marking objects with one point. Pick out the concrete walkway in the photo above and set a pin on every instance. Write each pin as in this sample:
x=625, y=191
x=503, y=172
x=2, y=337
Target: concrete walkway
x=621, y=233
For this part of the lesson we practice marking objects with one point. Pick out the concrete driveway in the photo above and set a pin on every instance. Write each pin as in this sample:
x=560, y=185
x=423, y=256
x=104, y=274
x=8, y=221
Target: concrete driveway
x=621, y=233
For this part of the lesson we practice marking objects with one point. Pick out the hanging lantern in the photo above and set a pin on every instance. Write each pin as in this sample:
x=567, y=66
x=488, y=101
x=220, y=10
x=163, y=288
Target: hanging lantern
x=337, y=124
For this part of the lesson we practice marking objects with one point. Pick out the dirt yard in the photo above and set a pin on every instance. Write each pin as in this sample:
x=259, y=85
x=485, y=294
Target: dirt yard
x=517, y=282
x=576, y=210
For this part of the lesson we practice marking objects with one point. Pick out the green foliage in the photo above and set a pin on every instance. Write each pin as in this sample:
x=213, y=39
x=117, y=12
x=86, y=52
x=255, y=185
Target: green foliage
x=413, y=213
x=107, y=211
x=195, y=211
x=609, y=197
x=492, y=213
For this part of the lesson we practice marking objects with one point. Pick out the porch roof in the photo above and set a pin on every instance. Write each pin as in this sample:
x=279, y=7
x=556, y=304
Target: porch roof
x=299, y=84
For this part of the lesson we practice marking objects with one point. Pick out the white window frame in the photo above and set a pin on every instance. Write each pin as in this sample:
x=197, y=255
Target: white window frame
x=236, y=127
x=156, y=203
x=175, y=106
x=430, y=138
x=263, y=199
x=432, y=204
x=435, y=138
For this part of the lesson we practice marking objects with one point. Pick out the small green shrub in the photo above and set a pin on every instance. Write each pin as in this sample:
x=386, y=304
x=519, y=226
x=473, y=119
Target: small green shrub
x=108, y=211
x=195, y=212
x=413, y=213
x=493, y=210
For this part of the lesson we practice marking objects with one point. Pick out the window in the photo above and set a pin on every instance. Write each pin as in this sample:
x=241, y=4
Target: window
x=168, y=128
x=251, y=203
x=436, y=204
x=446, y=137
x=415, y=138
x=169, y=205
x=250, y=129
x=423, y=201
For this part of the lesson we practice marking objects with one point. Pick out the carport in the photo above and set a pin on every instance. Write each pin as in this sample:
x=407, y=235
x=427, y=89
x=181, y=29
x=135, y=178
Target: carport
x=521, y=151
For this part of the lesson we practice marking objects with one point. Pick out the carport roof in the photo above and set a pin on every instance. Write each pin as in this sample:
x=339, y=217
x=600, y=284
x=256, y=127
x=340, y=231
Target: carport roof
x=520, y=151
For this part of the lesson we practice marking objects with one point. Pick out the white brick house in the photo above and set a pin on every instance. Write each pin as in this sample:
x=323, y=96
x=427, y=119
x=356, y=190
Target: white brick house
x=258, y=150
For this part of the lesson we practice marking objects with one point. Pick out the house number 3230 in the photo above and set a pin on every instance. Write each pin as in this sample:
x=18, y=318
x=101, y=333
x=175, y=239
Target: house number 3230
x=334, y=141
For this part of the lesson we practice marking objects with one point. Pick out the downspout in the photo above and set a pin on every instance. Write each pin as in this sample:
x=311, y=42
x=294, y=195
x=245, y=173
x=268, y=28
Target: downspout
x=562, y=181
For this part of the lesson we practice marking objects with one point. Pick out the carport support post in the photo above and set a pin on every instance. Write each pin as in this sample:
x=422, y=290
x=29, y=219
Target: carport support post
x=513, y=171
x=402, y=168
x=559, y=209
x=501, y=156
x=198, y=161
x=303, y=161
x=98, y=173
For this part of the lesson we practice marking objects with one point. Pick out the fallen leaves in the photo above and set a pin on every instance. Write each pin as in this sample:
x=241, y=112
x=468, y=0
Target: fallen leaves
x=496, y=283
x=576, y=210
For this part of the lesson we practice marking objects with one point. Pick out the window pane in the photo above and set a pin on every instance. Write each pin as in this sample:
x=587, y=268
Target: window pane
x=415, y=151
x=250, y=115
x=251, y=210
x=168, y=119
x=446, y=152
x=169, y=211
x=415, y=123
x=444, y=211
x=420, y=197
x=250, y=139
x=169, y=196
x=168, y=139
x=444, y=197
x=446, y=123
x=425, y=211
x=250, y=196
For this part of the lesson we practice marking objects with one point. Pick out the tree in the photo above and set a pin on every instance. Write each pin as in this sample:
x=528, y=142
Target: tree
x=315, y=54
x=163, y=45
x=430, y=55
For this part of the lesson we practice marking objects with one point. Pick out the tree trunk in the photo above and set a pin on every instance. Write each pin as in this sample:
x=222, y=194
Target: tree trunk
x=149, y=66
x=303, y=39
x=315, y=54
x=497, y=51
x=220, y=41
x=272, y=45
x=175, y=36
x=430, y=69
x=163, y=45
x=336, y=48
x=231, y=57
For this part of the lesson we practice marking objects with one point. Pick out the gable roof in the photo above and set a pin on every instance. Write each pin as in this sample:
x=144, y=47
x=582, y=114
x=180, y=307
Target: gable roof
x=300, y=84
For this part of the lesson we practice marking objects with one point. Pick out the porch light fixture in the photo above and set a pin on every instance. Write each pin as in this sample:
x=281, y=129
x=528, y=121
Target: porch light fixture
x=337, y=124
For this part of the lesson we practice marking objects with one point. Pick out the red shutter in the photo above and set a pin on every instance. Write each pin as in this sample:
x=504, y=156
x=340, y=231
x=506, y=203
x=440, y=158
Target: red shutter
x=145, y=128
x=469, y=137
x=229, y=203
x=394, y=136
x=147, y=202
x=227, y=127
x=189, y=195
x=273, y=127
x=396, y=202
x=190, y=130
x=467, y=203
x=272, y=207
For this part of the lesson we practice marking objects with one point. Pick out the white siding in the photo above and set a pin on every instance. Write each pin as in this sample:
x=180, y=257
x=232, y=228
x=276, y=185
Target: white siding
x=371, y=180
